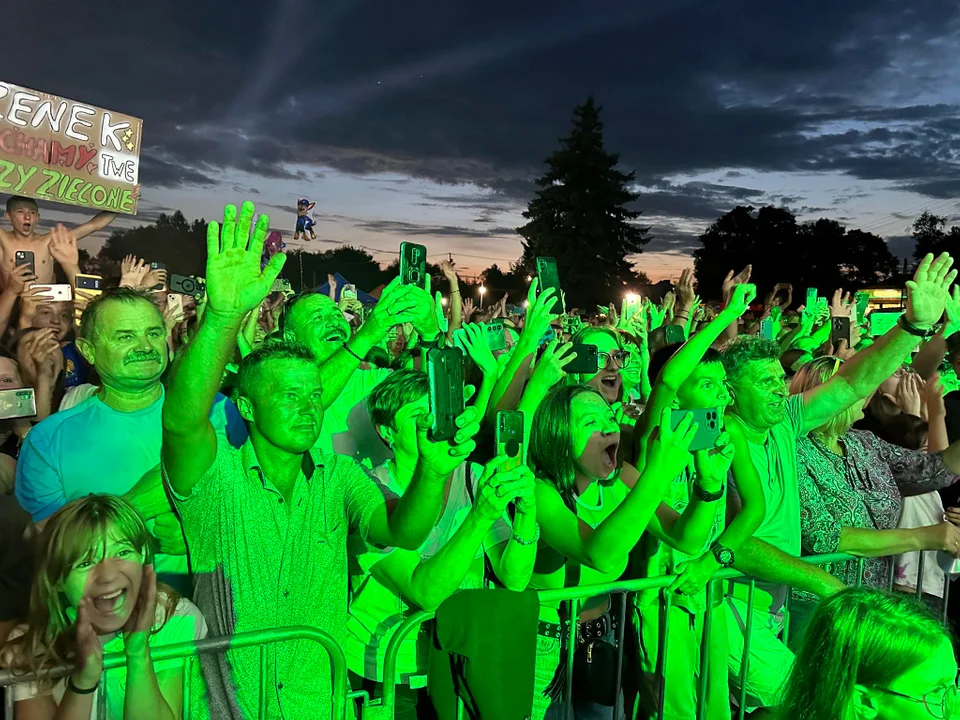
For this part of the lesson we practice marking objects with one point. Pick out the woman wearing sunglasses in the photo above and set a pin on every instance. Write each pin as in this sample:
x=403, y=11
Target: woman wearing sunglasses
x=872, y=655
x=614, y=357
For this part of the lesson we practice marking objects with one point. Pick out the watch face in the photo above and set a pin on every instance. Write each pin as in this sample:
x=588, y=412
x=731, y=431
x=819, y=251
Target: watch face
x=724, y=556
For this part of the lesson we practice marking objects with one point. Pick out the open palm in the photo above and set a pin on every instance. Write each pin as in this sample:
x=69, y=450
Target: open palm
x=927, y=292
x=235, y=283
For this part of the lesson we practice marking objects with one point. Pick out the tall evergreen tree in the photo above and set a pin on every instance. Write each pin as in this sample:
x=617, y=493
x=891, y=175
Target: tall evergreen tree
x=579, y=216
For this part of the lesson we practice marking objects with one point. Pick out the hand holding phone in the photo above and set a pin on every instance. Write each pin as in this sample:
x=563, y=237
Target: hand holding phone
x=25, y=257
x=509, y=438
x=445, y=373
x=549, y=278
x=413, y=265
x=708, y=426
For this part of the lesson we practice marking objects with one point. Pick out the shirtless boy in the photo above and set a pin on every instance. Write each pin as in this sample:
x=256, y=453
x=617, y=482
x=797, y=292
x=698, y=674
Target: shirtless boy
x=24, y=214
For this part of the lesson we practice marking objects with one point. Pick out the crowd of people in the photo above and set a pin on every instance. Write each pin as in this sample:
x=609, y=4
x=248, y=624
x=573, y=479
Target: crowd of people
x=249, y=458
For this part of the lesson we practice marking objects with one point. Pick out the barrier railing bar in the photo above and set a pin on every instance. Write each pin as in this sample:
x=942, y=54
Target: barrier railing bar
x=745, y=658
x=920, y=575
x=574, y=616
x=621, y=633
x=946, y=597
x=262, y=698
x=187, y=681
x=179, y=650
x=704, y=653
x=860, y=564
x=662, y=659
x=787, y=609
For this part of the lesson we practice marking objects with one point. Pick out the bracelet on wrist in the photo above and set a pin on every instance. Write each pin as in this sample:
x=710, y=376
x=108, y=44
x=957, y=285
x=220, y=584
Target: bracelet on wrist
x=520, y=541
x=706, y=495
x=80, y=691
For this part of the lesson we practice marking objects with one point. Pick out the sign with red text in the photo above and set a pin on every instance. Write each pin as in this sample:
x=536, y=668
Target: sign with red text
x=56, y=149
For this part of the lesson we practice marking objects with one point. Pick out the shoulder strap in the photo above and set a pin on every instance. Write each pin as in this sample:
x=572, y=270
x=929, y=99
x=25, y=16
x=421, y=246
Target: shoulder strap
x=490, y=579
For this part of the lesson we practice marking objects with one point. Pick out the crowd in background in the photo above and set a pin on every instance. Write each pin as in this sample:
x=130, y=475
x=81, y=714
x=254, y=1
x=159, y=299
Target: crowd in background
x=247, y=458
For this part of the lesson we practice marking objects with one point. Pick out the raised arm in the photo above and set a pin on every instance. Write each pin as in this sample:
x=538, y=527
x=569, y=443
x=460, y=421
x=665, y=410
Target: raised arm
x=863, y=373
x=456, y=301
x=235, y=286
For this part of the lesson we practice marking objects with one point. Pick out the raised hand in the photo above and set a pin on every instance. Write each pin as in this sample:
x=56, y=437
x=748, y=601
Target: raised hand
x=475, y=344
x=550, y=367
x=739, y=279
x=443, y=457
x=909, y=394
x=741, y=297
x=669, y=449
x=136, y=631
x=712, y=465
x=449, y=270
x=133, y=276
x=539, y=315
x=88, y=665
x=63, y=246
x=169, y=534
x=128, y=263
x=952, y=312
x=497, y=488
x=685, y=288
x=467, y=309
x=154, y=278
x=840, y=304
x=235, y=283
x=927, y=292
x=16, y=281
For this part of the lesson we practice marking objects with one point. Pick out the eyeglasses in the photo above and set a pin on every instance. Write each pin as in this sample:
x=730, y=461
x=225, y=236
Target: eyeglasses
x=940, y=706
x=621, y=357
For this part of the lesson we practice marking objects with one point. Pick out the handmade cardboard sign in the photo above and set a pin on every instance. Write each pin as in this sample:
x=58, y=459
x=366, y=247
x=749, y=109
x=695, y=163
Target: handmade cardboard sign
x=56, y=149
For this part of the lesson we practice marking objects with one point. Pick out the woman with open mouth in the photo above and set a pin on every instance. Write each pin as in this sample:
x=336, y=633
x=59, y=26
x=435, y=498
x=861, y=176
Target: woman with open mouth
x=95, y=592
x=592, y=509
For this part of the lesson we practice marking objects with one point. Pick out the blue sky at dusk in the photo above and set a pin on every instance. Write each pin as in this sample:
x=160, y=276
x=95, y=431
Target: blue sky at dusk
x=426, y=120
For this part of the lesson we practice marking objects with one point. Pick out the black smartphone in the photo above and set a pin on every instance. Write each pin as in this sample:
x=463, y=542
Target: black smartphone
x=413, y=265
x=445, y=372
x=510, y=438
x=25, y=257
x=674, y=334
x=839, y=330
x=89, y=283
x=587, y=361
x=496, y=336
x=17, y=403
x=708, y=430
x=193, y=286
x=548, y=277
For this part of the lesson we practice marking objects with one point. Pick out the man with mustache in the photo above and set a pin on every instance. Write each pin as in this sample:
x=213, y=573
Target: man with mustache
x=108, y=442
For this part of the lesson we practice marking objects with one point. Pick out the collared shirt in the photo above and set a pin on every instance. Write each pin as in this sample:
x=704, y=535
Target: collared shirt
x=863, y=488
x=261, y=562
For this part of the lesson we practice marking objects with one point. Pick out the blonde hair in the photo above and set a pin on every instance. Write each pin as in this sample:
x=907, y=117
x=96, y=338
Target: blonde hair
x=816, y=373
x=70, y=536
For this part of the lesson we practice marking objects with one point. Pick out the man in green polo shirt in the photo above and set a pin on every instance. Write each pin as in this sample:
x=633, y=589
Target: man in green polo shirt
x=267, y=524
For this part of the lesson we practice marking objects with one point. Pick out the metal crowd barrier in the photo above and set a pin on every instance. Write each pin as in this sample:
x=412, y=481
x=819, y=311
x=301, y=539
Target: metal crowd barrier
x=189, y=650
x=384, y=708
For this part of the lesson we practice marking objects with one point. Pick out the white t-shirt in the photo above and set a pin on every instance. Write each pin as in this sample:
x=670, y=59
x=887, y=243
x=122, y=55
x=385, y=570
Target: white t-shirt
x=376, y=611
x=347, y=428
x=184, y=624
x=920, y=511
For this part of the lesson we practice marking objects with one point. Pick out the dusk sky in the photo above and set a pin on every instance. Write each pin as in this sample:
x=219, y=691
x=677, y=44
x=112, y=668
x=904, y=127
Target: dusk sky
x=427, y=121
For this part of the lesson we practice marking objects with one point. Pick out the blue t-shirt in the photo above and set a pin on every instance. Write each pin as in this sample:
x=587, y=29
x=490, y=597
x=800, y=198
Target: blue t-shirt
x=92, y=448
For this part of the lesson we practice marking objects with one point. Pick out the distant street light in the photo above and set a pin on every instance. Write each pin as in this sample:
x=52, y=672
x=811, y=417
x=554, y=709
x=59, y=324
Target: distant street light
x=482, y=291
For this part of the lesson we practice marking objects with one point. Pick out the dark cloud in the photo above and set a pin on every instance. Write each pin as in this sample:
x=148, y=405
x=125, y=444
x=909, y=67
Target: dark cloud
x=395, y=227
x=462, y=93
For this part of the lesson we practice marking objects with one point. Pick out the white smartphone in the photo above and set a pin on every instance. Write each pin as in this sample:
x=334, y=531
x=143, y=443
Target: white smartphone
x=55, y=293
x=175, y=304
x=349, y=291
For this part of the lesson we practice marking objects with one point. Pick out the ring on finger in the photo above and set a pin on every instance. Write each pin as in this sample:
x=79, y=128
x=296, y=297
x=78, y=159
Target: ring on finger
x=499, y=494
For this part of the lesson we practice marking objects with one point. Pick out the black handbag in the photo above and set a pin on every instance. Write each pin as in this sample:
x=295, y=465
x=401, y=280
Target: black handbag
x=594, y=659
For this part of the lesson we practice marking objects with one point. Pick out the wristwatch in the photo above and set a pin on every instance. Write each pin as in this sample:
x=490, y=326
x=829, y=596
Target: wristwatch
x=724, y=555
x=911, y=329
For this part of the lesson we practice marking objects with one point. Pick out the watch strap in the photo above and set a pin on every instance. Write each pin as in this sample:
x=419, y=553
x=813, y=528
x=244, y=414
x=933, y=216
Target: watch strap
x=911, y=329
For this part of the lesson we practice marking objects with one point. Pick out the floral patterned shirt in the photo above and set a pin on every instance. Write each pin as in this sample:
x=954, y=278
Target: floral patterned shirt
x=863, y=489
